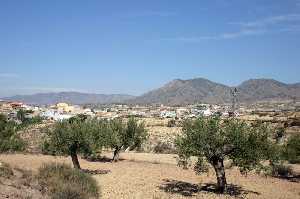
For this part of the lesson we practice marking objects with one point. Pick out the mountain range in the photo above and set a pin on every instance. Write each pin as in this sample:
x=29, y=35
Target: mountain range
x=70, y=97
x=179, y=92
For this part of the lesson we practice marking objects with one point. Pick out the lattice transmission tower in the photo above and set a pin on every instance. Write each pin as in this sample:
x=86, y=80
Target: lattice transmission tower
x=234, y=105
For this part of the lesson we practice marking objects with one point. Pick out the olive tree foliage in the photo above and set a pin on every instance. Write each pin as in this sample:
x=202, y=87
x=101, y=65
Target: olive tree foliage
x=291, y=150
x=123, y=135
x=213, y=141
x=73, y=137
x=9, y=138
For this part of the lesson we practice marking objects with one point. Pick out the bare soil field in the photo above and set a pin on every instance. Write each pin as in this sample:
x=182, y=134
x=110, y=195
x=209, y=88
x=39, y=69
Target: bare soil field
x=141, y=175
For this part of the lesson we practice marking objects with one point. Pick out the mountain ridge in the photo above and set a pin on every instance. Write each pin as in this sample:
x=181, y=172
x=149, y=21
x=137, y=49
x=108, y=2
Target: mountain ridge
x=178, y=92
x=70, y=97
x=206, y=91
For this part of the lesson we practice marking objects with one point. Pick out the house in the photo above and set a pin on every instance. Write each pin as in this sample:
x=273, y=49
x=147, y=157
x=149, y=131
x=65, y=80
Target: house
x=168, y=114
x=64, y=107
x=207, y=113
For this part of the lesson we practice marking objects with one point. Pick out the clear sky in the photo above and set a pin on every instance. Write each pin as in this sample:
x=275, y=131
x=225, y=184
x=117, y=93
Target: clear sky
x=133, y=46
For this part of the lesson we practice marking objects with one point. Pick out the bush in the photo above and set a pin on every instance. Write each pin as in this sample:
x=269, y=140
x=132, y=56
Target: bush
x=9, y=138
x=291, y=151
x=163, y=147
x=26, y=121
x=61, y=181
x=67, y=192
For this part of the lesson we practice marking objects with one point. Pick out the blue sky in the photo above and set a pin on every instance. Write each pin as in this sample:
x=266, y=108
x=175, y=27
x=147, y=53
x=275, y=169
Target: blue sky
x=134, y=46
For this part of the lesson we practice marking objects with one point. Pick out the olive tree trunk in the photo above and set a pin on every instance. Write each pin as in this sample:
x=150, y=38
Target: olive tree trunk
x=218, y=165
x=75, y=161
x=116, y=154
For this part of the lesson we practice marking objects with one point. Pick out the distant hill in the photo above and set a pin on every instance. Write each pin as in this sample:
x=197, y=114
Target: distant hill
x=186, y=92
x=70, y=97
x=267, y=89
x=178, y=92
x=202, y=90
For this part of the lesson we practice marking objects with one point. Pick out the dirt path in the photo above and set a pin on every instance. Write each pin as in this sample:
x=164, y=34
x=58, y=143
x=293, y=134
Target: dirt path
x=157, y=176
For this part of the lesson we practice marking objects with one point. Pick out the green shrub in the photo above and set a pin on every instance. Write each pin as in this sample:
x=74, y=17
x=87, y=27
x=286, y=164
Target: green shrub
x=291, y=151
x=29, y=122
x=47, y=148
x=9, y=138
x=61, y=181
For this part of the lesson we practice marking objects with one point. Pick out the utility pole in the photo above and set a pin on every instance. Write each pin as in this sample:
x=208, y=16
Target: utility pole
x=234, y=107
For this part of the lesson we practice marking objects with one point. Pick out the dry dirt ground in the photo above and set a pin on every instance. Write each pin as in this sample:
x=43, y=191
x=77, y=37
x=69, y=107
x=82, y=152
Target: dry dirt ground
x=156, y=176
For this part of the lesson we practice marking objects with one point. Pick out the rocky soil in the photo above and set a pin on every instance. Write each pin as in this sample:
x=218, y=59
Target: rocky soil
x=156, y=176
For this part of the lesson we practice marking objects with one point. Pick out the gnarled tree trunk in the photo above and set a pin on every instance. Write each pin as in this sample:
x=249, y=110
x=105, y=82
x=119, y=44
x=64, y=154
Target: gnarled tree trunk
x=116, y=154
x=218, y=165
x=73, y=154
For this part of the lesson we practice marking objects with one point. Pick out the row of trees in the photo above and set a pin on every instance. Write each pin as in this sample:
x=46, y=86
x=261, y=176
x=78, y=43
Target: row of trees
x=89, y=136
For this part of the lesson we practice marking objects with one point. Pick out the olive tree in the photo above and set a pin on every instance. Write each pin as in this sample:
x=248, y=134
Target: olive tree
x=73, y=137
x=126, y=135
x=212, y=140
x=9, y=138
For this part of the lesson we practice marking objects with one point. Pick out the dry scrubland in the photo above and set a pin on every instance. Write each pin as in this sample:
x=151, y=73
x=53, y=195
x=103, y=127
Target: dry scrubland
x=148, y=175
x=140, y=175
x=160, y=133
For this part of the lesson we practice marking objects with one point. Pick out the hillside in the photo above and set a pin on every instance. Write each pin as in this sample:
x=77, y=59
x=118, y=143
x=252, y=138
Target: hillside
x=267, y=89
x=203, y=90
x=187, y=92
x=70, y=97
x=178, y=92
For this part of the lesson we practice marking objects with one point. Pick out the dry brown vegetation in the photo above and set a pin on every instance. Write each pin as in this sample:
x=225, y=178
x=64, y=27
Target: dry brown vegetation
x=16, y=182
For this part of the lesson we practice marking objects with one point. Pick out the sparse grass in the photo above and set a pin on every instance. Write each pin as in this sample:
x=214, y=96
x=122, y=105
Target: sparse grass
x=62, y=181
x=67, y=191
x=5, y=170
x=26, y=178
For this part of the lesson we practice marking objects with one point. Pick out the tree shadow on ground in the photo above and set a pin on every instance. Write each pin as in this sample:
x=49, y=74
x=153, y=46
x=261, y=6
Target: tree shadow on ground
x=96, y=172
x=291, y=178
x=189, y=189
x=101, y=159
